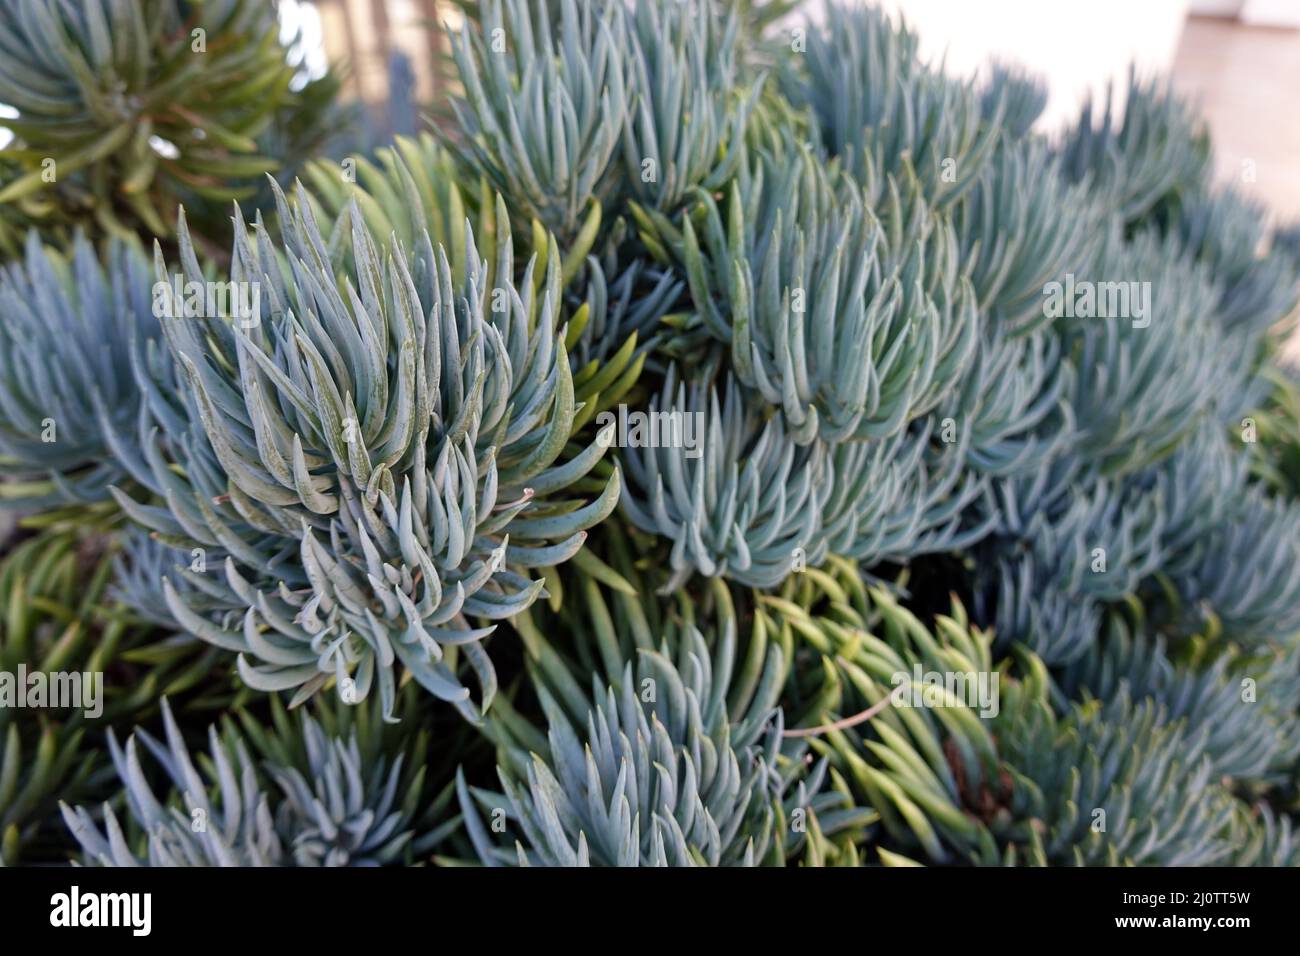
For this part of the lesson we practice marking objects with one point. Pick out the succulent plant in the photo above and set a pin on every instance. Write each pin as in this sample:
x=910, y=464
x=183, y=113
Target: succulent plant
x=127, y=108
x=1160, y=348
x=732, y=493
x=544, y=106
x=96, y=663
x=858, y=653
x=640, y=792
x=68, y=326
x=1248, y=576
x=1011, y=404
x=1151, y=153
x=865, y=348
x=1011, y=243
x=339, y=804
x=1019, y=94
x=1108, y=785
x=852, y=322
x=367, y=466
x=682, y=763
x=880, y=108
x=687, y=129
x=1065, y=544
x=1241, y=705
x=1257, y=287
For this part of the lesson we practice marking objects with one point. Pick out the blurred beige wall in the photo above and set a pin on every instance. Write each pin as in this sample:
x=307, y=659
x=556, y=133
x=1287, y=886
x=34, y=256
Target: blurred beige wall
x=362, y=33
x=1245, y=80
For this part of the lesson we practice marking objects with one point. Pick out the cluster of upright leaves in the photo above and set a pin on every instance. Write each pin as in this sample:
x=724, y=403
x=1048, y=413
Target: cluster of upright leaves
x=1151, y=154
x=126, y=108
x=1063, y=544
x=1013, y=399
x=544, y=105
x=877, y=105
x=748, y=503
x=367, y=467
x=1253, y=275
x=857, y=653
x=60, y=617
x=1020, y=94
x=69, y=327
x=852, y=321
x=687, y=129
x=1107, y=784
x=1249, y=576
x=1161, y=366
x=1241, y=704
x=415, y=185
x=631, y=784
x=675, y=757
x=1136, y=482
x=583, y=102
x=301, y=794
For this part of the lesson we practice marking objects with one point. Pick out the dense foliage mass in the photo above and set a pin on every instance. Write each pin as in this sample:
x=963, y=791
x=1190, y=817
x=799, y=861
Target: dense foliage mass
x=721, y=440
